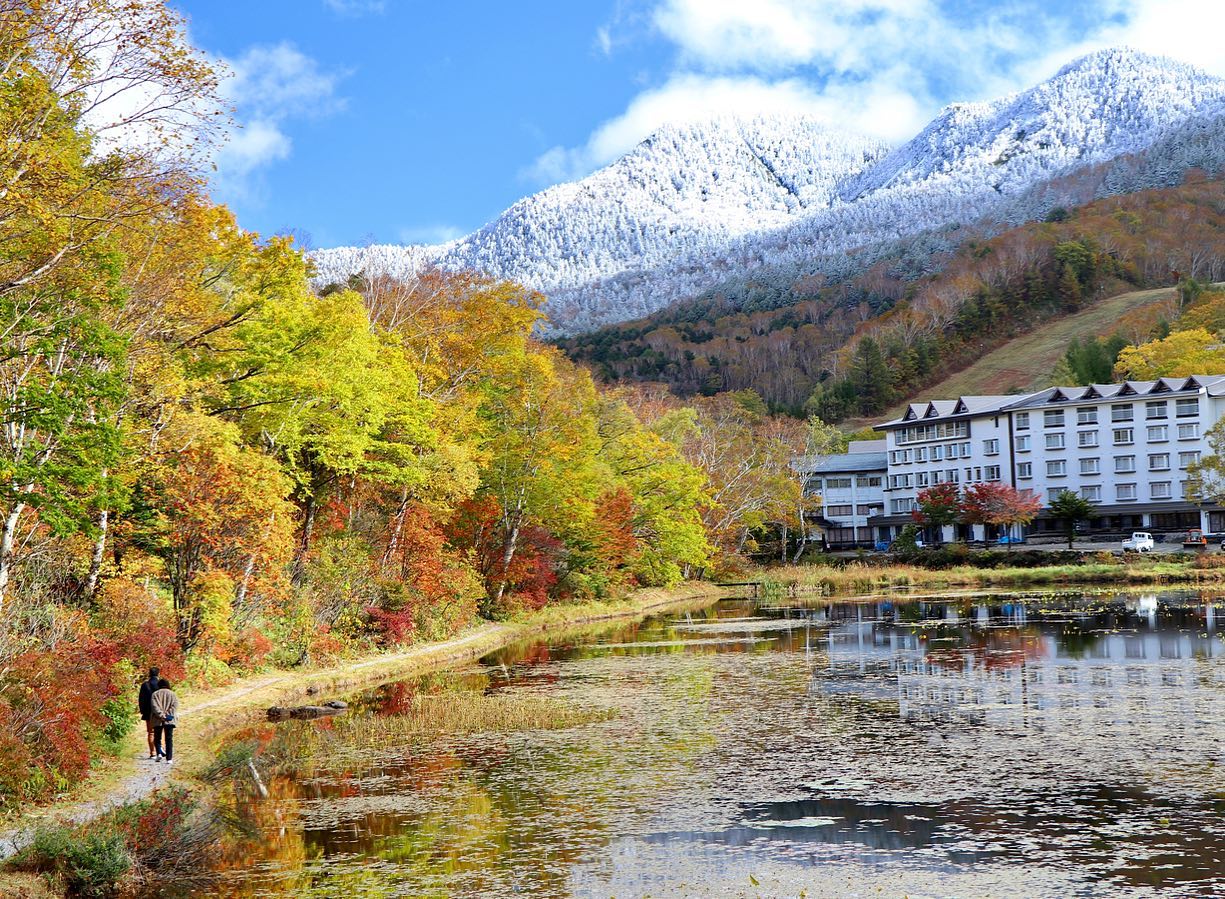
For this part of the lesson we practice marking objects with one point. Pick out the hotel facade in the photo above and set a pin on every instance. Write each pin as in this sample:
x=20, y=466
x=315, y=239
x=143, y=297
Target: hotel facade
x=1124, y=447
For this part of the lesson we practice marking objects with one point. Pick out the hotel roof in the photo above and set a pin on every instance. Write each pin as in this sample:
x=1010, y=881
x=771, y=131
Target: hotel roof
x=969, y=406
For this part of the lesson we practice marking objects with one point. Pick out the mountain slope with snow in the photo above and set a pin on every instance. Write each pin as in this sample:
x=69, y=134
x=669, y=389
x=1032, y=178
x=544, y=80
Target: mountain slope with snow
x=692, y=207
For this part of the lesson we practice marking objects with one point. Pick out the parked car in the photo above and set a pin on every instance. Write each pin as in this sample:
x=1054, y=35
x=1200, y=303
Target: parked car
x=1140, y=542
x=1195, y=539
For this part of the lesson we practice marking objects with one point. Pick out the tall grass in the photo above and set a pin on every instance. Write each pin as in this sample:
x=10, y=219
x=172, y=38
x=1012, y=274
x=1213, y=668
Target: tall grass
x=859, y=577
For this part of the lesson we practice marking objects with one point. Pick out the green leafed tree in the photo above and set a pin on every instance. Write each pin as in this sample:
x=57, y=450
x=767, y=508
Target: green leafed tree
x=1071, y=508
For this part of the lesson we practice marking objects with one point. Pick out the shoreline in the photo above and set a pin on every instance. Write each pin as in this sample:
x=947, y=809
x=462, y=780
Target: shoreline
x=208, y=714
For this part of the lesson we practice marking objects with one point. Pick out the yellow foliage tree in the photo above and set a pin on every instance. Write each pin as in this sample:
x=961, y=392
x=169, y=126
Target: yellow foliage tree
x=1182, y=353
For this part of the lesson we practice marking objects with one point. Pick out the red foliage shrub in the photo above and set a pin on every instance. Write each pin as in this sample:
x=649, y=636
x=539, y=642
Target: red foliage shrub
x=51, y=703
x=142, y=626
x=249, y=648
x=531, y=577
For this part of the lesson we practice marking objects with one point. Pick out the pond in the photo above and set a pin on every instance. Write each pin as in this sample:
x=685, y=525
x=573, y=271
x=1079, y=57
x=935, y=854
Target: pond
x=1006, y=745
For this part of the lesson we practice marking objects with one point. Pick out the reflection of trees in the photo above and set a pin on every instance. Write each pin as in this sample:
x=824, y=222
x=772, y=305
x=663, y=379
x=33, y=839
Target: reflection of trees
x=483, y=814
x=994, y=650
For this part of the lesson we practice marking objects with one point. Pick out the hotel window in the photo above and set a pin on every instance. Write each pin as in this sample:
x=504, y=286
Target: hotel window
x=863, y=481
x=1086, y=438
x=838, y=483
x=1023, y=444
x=1156, y=409
x=869, y=510
x=937, y=453
x=1186, y=460
x=1158, y=433
x=1056, y=468
x=898, y=506
x=1122, y=436
x=920, y=455
x=951, y=476
x=952, y=451
x=1186, y=408
x=1053, y=418
x=839, y=511
x=991, y=447
x=921, y=479
x=1125, y=491
x=1025, y=469
x=1022, y=421
x=1188, y=432
x=1123, y=464
x=965, y=450
x=1159, y=490
x=1093, y=494
x=1086, y=416
x=1054, y=441
x=991, y=472
x=1122, y=413
x=1090, y=466
x=1055, y=492
x=1159, y=462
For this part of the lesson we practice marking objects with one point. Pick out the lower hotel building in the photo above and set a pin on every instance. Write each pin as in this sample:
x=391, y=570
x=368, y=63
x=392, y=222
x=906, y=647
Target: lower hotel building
x=1124, y=447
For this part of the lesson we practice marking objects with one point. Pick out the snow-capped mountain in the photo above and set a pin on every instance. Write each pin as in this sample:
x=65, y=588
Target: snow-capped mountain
x=693, y=206
x=684, y=191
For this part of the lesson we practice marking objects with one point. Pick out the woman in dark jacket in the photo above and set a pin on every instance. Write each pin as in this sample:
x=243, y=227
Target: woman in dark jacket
x=147, y=689
x=165, y=710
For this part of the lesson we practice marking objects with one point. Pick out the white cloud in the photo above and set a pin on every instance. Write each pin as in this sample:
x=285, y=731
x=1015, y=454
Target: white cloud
x=1189, y=30
x=690, y=98
x=268, y=87
x=883, y=67
x=355, y=7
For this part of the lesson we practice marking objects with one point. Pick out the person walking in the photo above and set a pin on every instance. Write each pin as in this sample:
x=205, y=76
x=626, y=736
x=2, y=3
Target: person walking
x=147, y=689
x=165, y=709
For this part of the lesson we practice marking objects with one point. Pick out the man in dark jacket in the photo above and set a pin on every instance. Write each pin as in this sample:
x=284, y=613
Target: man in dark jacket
x=144, y=701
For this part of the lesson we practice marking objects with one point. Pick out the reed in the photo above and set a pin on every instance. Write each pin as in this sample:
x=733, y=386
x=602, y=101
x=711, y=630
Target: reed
x=858, y=577
x=465, y=712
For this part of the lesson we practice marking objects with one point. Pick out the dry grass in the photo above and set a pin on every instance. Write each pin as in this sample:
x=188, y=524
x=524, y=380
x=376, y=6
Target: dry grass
x=1024, y=364
x=857, y=577
x=465, y=712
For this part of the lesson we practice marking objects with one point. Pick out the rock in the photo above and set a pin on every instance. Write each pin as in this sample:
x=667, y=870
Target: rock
x=336, y=704
x=305, y=712
x=312, y=690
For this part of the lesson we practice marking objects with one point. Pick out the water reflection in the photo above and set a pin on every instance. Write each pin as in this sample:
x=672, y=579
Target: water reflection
x=1021, y=745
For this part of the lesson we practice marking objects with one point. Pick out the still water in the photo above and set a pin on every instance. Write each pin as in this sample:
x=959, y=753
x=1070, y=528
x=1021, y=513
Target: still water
x=1007, y=745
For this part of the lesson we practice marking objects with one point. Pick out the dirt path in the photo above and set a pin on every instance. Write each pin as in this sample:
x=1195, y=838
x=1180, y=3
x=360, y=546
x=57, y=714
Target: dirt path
x=206, y=715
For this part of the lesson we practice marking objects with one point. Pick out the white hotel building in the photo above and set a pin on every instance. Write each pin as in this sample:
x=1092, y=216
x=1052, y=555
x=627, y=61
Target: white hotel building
x=1125, y=447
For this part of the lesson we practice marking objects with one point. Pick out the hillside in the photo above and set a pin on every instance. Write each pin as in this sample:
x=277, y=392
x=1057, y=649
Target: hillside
x=716, y=206
x=1025, y=363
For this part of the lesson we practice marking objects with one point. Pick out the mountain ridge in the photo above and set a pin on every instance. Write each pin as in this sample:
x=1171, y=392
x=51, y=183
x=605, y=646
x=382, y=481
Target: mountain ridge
x=695, y=205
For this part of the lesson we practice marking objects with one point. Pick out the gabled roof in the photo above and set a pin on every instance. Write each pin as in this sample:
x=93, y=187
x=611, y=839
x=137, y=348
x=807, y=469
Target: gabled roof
x=1214, y=385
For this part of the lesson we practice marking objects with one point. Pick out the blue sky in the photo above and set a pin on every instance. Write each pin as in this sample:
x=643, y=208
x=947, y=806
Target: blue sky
x=409, y=121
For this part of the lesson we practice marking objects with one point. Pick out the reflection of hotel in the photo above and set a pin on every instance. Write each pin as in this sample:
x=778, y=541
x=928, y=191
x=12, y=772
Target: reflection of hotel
x=998, y=668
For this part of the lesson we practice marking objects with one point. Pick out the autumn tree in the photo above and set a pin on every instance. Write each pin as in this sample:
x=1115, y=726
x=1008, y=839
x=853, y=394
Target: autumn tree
x=1000, y=505
x=1182, y=353
x=221, y=520
x=938, y=506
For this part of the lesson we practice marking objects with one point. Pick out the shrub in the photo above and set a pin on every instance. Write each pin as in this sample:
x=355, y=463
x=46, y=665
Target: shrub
x=121, y=716
x=51, y=708
x=90, y=863
x=142, y=626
